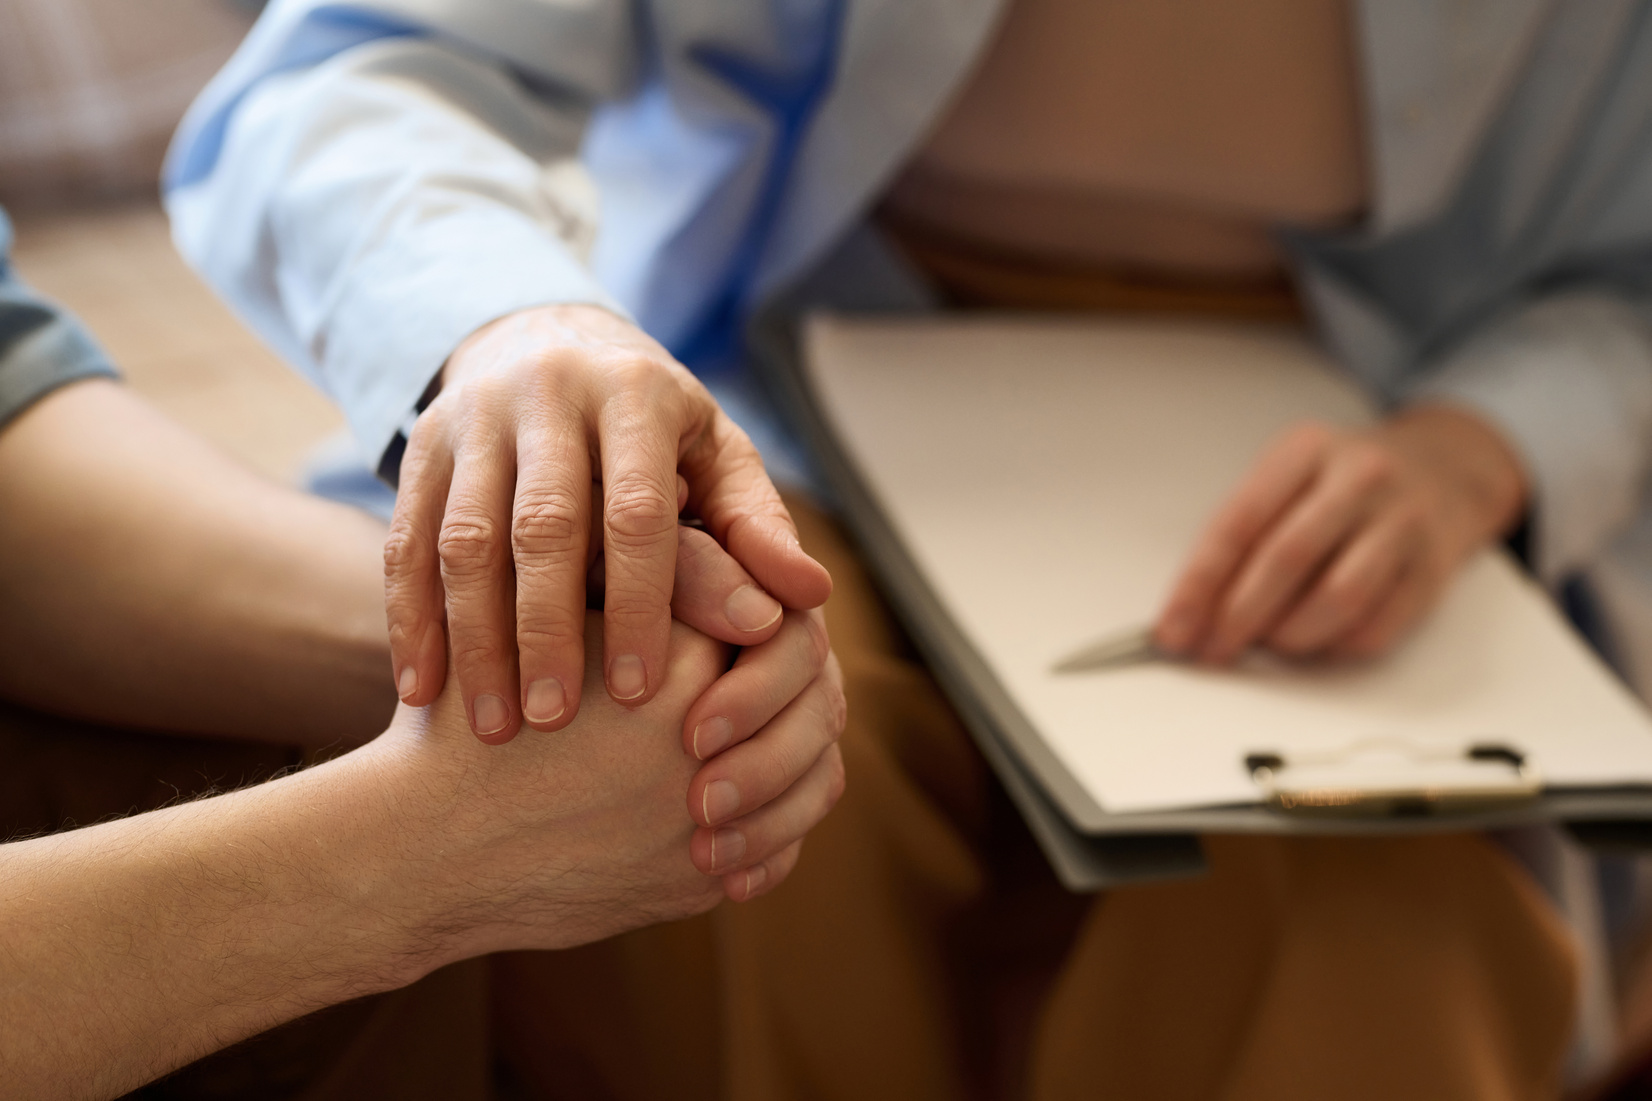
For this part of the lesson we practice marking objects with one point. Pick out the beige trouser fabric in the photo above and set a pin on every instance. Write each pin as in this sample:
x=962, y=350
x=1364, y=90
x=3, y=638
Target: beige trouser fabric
x=922, y=950
x=921, y=927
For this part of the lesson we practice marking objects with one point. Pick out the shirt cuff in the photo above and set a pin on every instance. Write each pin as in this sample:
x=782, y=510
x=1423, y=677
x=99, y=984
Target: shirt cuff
x=41, y=350
x=1568, y=382
x=433, y=277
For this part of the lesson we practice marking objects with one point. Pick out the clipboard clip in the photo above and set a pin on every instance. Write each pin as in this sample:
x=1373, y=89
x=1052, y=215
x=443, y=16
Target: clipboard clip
x=1395, y=778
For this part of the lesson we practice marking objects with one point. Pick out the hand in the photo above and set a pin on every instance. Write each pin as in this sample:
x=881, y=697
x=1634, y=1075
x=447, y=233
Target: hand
x=1338, y=541
x=553, y=842
x=556, y=841
x=769, y=728
x=492, y=521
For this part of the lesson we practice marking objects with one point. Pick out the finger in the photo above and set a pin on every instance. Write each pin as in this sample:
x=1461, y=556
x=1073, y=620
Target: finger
x=765, y=678
x=412, y=571
x=1413, y=595
x=760, y=879
x=762, y=768
x=639, y=471
x=1294, y=551
x=1279, y=477
x=476, y=572
x=715, y=596
x=732, y=493
x=1349, y=591
x=757, y=836
x=550, y=536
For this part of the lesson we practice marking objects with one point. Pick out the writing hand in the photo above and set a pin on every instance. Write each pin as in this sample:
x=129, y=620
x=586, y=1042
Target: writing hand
x=1338, y=541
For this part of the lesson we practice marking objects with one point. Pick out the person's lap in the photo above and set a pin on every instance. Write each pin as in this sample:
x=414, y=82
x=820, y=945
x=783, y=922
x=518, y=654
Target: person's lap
x=923, y=949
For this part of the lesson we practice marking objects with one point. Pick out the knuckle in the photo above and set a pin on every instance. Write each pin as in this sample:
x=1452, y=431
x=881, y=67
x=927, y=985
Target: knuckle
x=1411, y=517
x=468, y=545
x=1342, y=600
x=637, y=374
x=638, y=513
x=1295, y=554
x=405, y=631
x=403, y=552
x=546, y=524
x=477, y=650
x=636, y=601
x=546, y=633
x=1371, y=465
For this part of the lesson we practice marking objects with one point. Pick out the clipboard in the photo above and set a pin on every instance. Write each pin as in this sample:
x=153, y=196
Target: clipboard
x=902, y=413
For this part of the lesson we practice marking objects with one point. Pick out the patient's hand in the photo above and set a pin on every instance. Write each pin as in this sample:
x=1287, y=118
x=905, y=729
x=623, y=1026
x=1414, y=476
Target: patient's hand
x=1338, y=541
x=559, y=839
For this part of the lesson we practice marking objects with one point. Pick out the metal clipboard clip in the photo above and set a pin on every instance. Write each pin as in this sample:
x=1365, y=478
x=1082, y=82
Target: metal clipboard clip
x=1395, y=778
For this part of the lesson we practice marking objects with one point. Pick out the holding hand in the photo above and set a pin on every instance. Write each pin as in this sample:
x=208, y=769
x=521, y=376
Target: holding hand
x=491, y=526
x=1339, y=541
x=551, y=842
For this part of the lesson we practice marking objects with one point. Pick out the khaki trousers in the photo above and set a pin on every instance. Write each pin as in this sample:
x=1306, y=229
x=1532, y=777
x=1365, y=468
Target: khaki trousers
x=922, y=949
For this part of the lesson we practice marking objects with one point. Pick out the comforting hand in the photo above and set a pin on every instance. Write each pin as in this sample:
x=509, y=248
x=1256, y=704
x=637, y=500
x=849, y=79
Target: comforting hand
x=1338, y=541
x=491, y=532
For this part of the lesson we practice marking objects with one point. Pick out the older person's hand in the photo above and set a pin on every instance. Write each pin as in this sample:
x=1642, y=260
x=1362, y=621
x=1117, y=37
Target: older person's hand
x=491, y=532
x=1339, y=541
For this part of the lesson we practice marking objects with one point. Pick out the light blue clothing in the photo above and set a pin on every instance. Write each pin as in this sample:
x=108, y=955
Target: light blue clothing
x=369, y=182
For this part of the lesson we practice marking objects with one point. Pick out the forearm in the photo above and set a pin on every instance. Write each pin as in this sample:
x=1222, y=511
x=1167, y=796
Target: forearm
x=473, y=187
x=151, y=581
x=131, y=948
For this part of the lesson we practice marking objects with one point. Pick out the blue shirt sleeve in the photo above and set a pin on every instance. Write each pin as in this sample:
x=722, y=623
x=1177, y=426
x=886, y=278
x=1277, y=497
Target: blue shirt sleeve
x=41, y=347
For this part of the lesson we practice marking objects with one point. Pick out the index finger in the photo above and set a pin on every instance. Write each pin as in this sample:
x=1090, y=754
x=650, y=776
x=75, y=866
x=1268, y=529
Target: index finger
x=1285, y=470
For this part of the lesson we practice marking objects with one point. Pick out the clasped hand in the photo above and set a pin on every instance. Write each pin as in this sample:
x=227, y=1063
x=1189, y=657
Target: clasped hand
x=560, y=452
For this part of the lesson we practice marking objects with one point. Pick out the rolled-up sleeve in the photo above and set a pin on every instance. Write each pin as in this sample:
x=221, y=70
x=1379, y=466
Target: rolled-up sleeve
x=41, y=347
x=367, y=213
x=1568, y=381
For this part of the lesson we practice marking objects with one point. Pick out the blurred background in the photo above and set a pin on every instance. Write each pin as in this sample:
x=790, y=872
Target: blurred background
x=90, y=92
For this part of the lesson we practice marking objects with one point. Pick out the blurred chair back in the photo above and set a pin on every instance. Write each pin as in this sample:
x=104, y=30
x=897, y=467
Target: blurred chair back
x=90, y=90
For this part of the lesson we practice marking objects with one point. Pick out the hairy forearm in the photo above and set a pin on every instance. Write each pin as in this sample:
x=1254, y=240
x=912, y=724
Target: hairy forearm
x=151, y=581
x=130, y=948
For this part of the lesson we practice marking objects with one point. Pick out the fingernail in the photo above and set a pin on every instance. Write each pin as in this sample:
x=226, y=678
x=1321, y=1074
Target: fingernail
x=755, y=878
x=712, y=736
x=408, y=682
x=727, y=847
x=719, y=801
x=751, y=609
x=546, y=700
x=490, y=714
x=627, y=679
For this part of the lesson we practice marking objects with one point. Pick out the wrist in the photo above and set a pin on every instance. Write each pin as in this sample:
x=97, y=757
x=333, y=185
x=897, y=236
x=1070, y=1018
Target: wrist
x=1477, y=467
x=504, y=341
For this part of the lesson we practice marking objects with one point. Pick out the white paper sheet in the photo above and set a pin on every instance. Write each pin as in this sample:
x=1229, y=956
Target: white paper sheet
x=1048, y=476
